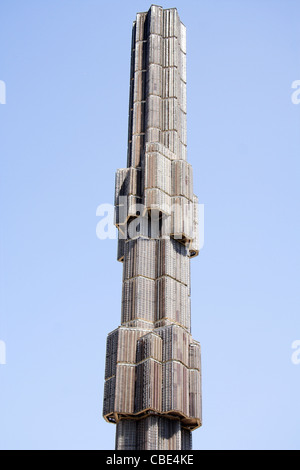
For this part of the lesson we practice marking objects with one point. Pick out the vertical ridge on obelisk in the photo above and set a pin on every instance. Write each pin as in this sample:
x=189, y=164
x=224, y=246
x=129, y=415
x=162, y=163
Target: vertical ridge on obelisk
x=153, y=365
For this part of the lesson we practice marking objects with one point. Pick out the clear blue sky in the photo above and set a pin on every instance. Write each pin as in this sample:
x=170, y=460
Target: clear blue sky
x=63, y=134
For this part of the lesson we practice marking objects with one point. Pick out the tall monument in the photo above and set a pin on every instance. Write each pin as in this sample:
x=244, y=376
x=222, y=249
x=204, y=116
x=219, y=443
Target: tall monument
x=153, y=367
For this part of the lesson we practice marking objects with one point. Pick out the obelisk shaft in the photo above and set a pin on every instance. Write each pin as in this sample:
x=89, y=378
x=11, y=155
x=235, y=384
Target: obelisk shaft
x=153, y=365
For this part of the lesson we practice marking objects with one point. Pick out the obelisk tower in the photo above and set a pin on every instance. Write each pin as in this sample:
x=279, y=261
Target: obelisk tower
x=153, y=366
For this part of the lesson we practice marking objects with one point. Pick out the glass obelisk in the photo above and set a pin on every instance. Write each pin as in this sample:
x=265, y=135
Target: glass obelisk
x=153, y=365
